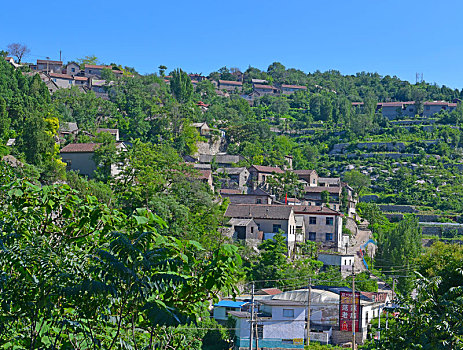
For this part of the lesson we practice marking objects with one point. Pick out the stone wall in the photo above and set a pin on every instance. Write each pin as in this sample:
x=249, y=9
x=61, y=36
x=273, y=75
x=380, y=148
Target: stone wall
x=391, y=208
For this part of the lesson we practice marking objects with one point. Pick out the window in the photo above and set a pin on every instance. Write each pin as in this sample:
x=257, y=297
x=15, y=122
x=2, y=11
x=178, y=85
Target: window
x=329, y=236
x=73, y=70
x=70, y=81
x=252, y=229
x=276, y=228
x=312, y=236
x=428, y=108
x=288, y=312
x=260, y=331
x=89, y=70
x=329, y=221
x=258, y=201
x=312, y=220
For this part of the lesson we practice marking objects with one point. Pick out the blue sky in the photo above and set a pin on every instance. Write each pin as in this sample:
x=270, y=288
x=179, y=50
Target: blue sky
x=386, y=36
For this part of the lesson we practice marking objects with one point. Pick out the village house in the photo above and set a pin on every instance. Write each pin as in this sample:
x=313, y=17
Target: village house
x=221, y=309
x=269, y=219
x=202, y=128
x=326, y=309
x=113, y=132
x=431, y=108
x=313, y=196
x=260, y=173
x=236, y=178
x=259, y=82
x=323, y=225
x=196, y=77
x=230, y=85
x=48, y=66
x=265, y=89
x=63, y=81
x=72, y=68
x=67, y=129
x=222, y=160
x=79, y=157
x=329, y=181
x=247, y=196
x=309, y=176
x=343, y=262
x=92, y=70
x=206, y=177
x=290, y=89
x=81, y=81
x=280, y=325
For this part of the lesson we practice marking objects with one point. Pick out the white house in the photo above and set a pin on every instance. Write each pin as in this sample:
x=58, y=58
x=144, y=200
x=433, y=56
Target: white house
x=280, y=325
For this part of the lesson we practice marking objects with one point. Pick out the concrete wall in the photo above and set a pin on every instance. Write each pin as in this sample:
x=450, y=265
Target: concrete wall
x=63, y=83
x=321, y=228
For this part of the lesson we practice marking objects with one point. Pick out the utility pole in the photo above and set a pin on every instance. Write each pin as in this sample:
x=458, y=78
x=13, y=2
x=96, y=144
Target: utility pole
x=309, y=297
x=393, y=288
x=251, y=336
x=60, y=55
x=353, y=308
x=257, y=335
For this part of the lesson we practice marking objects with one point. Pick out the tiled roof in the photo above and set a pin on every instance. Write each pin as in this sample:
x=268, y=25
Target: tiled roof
x=111, y=131
x=230, y=82
x=204, y=174
x=264, y=87
x=60, y=76
x=294, y=87
x=80, y=148
x=312, y=209
x=269, y=291
x=95, y=66
x=80, y=78
x=49, y=62
x=230, y=191
x=259, y=211
x=267, y=169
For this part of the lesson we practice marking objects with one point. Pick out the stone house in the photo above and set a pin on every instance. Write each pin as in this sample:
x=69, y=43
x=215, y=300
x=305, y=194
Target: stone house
x=313, y=196
x=247, y=196
x=202, y=128
x=431, y=108
x=233, y=177
x=48, y=66
x=72, y=68
x=206, y=177
x=265, y=89
x=290, y=89
x=230, y=85
x=222, y=160
x=260, y=173
x=309, y=176
x=270, y=219
x=63, y=81
x=92, y=70
x=329, y=181
x=81, y=81
x=323, y=225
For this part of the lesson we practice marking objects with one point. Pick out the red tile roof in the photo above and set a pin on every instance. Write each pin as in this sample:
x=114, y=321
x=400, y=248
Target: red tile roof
x=294, y=87
x=229, y=191
x=80, y=148
x=80, y=78
x=97, y=66
x=230, y=82
x=267, y=169
x=269, y=291
x=205, y=174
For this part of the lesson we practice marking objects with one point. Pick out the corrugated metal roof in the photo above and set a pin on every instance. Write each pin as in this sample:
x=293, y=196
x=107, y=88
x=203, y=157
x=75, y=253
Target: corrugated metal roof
x=230, y=303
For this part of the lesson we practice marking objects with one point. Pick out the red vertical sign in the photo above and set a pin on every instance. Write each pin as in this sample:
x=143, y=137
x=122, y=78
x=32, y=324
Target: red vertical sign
x=346, y=314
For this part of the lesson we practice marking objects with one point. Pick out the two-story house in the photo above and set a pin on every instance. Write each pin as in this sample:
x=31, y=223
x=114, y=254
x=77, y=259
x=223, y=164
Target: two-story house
x=265, y=89
x=260, y=173
x=49, y=66
x=235, y=178
x=269, y=219
x=307, y=175
x=323, y=225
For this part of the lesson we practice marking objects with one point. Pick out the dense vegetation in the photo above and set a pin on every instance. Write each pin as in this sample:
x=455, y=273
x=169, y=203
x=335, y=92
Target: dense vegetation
x=120, y=262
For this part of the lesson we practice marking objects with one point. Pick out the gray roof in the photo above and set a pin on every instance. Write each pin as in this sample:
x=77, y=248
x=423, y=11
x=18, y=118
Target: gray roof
x=240, y=222
x=219, y=158
x=330, y=180
x=259, y=211
x=231, y=171
x=281, y=302
x=240, y=314
x=69, y=127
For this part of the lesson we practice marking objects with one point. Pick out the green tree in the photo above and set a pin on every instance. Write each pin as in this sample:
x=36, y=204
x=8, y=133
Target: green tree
x=181, y=86
x=357, y=180
x=4, y=121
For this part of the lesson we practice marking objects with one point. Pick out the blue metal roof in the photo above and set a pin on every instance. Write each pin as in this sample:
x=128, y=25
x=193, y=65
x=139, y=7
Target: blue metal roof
x=230, y=303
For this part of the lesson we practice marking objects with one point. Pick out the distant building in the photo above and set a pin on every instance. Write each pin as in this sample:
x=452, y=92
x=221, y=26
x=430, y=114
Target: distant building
x=260, y=173
x=230, y=85
x=236, y=178
x=309, y=176
x=247, y=196
x=113, y=132
x=48, y=66
x=72, y=68
x=63, y=81
x=265, y=89
x=290, y=89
